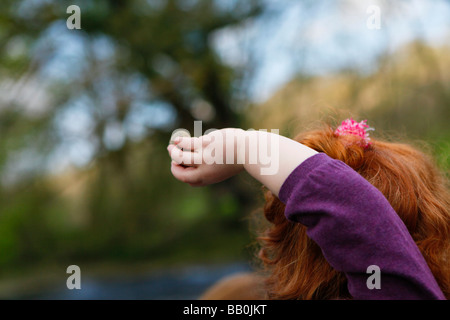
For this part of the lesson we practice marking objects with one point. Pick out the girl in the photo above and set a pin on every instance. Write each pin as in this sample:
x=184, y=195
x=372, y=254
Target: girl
x=341, y=207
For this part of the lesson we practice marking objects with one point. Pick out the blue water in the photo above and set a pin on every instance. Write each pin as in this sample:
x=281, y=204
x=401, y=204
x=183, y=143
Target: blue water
x=175, y=284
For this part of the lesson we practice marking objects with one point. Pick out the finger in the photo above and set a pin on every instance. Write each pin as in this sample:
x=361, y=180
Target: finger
x=187, y=158
x=169, y=148
x=175, y=154
x=187, y=143
x=192, y=143
x=188, y=175
x=205, y=140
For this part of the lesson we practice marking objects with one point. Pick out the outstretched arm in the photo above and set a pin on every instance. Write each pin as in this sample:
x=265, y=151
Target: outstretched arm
x=266, y=156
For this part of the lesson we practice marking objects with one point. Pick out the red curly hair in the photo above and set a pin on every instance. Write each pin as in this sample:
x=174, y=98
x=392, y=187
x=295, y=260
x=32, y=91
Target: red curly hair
x=294, y=265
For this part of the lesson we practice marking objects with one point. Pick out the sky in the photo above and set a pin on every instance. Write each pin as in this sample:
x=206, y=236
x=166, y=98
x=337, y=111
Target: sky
x=329, y=36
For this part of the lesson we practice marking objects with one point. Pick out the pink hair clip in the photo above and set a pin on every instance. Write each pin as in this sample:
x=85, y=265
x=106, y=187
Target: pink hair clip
x=359, y=129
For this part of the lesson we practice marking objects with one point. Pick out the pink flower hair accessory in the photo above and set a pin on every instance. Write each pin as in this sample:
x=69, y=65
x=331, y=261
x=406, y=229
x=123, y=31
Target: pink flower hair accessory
x=350, y=127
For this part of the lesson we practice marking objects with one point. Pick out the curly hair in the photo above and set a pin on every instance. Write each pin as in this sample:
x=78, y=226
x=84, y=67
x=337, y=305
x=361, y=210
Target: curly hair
x=294, y=265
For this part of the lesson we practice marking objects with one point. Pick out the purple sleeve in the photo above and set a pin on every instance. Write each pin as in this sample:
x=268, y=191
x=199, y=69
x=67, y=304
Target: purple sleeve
x=356, y=227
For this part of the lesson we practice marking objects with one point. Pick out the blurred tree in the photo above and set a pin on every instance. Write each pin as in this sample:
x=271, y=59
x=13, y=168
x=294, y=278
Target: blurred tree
x=406, y=98
x=108, y=97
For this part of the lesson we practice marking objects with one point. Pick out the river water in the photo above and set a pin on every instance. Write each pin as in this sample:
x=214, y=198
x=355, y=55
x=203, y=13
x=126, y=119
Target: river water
x=172, y=284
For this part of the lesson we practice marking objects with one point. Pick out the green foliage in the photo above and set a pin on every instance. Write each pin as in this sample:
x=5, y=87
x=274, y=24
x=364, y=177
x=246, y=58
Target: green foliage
x=118, y=88
x=132, y=62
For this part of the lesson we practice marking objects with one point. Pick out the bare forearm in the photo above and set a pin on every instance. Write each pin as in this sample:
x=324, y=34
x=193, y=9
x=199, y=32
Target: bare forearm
x=277, y=156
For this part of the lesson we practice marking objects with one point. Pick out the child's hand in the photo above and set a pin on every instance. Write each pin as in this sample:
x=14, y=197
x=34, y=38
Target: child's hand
x=203, y=161
x=223, y=153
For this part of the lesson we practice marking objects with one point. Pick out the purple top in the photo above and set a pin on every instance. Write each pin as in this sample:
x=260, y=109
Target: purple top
x=356, y=227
